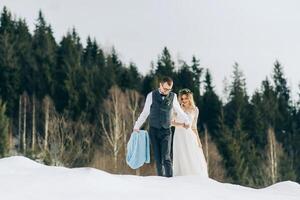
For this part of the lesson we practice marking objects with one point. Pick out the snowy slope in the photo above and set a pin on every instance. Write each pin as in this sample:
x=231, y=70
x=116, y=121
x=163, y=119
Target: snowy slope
x=24, y=179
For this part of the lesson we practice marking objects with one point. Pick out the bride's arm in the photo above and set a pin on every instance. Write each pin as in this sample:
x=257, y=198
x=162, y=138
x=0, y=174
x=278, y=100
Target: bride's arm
x=173, y=122
x=194, y=126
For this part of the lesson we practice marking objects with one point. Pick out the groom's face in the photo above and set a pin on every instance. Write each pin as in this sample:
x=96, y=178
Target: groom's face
x=165, y=88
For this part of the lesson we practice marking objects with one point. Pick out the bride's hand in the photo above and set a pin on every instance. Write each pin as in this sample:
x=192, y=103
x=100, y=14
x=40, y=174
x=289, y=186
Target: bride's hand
x=174, y=123
x=186, y=126
x=199, y=144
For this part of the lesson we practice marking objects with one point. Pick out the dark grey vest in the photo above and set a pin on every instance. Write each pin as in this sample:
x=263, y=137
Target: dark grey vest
x=160, y=110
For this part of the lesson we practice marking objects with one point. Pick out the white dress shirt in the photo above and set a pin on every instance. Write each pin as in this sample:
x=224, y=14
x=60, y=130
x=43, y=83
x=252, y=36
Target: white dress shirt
x=146, y=111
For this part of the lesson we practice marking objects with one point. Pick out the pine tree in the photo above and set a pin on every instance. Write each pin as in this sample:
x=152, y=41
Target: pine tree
x=69, y=75
x=197, y=71
x=165, y=64
x=131, y=79
x=241, y=163
x=184, y=79
x=90, y=53
x=282, y=126
x=235, y=148
x=9, y=78
x=211, y=107
x=148, y=83
x=238, y=99
x=95, y=75
x=24, y=56
x=115, y=68
x=44, y=52
x=257, y=124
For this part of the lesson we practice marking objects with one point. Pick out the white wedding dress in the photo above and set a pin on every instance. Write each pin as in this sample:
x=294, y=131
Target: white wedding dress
x=188, y=157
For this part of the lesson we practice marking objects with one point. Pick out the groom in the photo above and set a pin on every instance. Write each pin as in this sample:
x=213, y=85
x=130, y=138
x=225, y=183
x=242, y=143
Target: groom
x=158, y=106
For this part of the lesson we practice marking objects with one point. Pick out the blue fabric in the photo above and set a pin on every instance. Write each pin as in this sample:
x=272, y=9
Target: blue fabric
x=138, y=149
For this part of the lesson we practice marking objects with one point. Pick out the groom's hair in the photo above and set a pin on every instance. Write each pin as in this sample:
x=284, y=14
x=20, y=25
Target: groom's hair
x=166, y=79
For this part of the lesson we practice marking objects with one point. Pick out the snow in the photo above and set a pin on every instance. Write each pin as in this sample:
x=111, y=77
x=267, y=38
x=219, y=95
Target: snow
x=24, y=179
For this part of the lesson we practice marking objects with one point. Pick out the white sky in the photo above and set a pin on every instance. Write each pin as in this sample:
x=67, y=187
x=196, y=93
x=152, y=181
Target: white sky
x=253, y=33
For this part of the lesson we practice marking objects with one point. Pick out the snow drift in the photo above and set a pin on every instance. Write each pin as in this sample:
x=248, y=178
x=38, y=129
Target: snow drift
x=22, y=178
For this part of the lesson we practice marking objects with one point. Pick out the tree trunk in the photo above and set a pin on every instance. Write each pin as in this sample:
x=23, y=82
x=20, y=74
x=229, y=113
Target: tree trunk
x=33, y=124
x=24, y=125
x=10, y=139
x=46, y=123
x=272, y=155
x=20, y=122
x=206, y=144
x=115, y=161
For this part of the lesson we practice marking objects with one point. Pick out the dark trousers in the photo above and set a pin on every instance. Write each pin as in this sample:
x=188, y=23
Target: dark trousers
x=161, y=141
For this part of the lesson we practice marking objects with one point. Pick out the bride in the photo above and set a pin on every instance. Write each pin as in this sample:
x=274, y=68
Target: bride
x=188, y=157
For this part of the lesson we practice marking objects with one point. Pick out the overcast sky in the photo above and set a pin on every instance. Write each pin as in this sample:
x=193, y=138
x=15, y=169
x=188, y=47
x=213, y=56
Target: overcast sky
x=253, y=33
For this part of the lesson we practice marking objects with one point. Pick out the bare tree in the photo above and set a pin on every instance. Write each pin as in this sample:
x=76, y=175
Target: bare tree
x=69, y=141
x=274, y=151
x=113, y=122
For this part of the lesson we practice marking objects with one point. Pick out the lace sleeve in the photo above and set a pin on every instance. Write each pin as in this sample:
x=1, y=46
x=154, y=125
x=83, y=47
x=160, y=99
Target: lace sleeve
x=194, y=124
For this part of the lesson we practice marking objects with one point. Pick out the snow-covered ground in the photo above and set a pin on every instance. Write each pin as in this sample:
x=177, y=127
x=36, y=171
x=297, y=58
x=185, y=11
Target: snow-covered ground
x=24, y=179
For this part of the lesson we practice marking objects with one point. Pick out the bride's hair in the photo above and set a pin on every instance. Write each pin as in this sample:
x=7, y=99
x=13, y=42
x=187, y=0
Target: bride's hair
x=189, y=94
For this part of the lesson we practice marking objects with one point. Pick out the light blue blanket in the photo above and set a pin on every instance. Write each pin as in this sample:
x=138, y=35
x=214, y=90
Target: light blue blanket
x=138, y=149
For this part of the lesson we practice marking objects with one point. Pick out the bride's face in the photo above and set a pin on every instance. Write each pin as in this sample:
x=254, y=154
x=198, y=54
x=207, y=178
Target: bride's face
x=185, y=100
